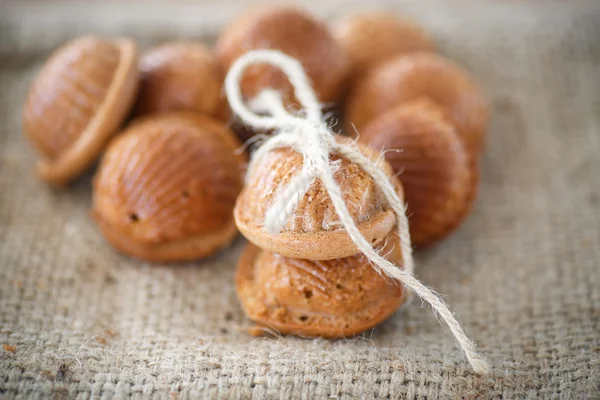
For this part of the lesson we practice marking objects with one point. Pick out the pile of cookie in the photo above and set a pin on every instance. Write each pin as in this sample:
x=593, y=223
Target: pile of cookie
x=170, y=184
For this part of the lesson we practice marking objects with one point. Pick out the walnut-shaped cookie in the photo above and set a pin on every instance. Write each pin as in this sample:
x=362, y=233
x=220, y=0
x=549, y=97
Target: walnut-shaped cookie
x=425, y=150
x=181, y=76
x=333, y=298
x=369, y=39
x=77, y=102
x=314, y=232
x=410, y=77
x=166, y=188
x=295, y=33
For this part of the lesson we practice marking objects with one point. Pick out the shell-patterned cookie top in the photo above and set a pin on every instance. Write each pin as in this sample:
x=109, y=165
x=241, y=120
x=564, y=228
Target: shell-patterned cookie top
x=168, y=178
x=295, y=33
x=78, y=101
x=370, y=39
x=438, y=177
x=180, y=76
x=423, y=75
x=332, y=298
x=314, y=231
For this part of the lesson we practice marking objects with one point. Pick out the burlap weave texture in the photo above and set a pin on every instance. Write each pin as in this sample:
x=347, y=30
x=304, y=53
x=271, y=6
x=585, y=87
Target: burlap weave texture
x=523, y=273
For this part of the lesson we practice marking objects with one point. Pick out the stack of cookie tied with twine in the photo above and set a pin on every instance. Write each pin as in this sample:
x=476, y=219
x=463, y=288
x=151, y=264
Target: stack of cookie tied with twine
x=331, y=244
x=320, y=267
x=296, y=280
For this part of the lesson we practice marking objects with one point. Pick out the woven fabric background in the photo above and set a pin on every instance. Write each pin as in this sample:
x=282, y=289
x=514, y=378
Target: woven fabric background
x=79, y=320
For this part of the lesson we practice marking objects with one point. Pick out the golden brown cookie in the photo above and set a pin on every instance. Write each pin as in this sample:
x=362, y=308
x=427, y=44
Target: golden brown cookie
x=372, y=38
x=77, y=102
x=437, y=175
x=180, y=76
x=166, y=188
x=315, y=232
x=410, y=77
x=334, y=298
x=295, y=33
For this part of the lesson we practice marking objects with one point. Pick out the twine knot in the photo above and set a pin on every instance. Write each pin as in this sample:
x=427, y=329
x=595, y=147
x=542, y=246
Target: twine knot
x=307, y=134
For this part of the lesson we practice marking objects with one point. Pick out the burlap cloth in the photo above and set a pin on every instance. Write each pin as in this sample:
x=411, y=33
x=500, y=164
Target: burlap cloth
x=523, y=272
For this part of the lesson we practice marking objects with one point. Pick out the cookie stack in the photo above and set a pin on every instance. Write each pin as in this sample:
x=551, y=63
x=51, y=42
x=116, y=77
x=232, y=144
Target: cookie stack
x=310, y=279
x=316, y=208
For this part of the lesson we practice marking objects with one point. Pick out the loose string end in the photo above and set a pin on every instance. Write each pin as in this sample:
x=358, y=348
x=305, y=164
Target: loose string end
x=479, y=365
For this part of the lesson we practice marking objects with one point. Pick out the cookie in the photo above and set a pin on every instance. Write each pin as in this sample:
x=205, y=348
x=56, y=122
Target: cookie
x=425, y=150
x=314, y=232
x=180, y=76
x=295, y=33
x=166, y=188
x=425, y=75
x=330, y=299
x=370, y=39
x=77, y=102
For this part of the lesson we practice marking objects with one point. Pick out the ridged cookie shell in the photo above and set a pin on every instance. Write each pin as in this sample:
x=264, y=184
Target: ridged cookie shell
x=77, y=102
x=437, y=174
x=369, y=39
x=334, y=298
x=180, y=76
x=293, y=32
x=315, y=231
x=423, y=75
x=168, y=179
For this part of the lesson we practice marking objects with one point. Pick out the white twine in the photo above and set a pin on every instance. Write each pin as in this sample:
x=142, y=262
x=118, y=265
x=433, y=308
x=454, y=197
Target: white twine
x=308, y=135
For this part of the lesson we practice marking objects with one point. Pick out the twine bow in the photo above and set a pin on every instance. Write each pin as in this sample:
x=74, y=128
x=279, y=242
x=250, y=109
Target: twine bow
x=307, y=134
